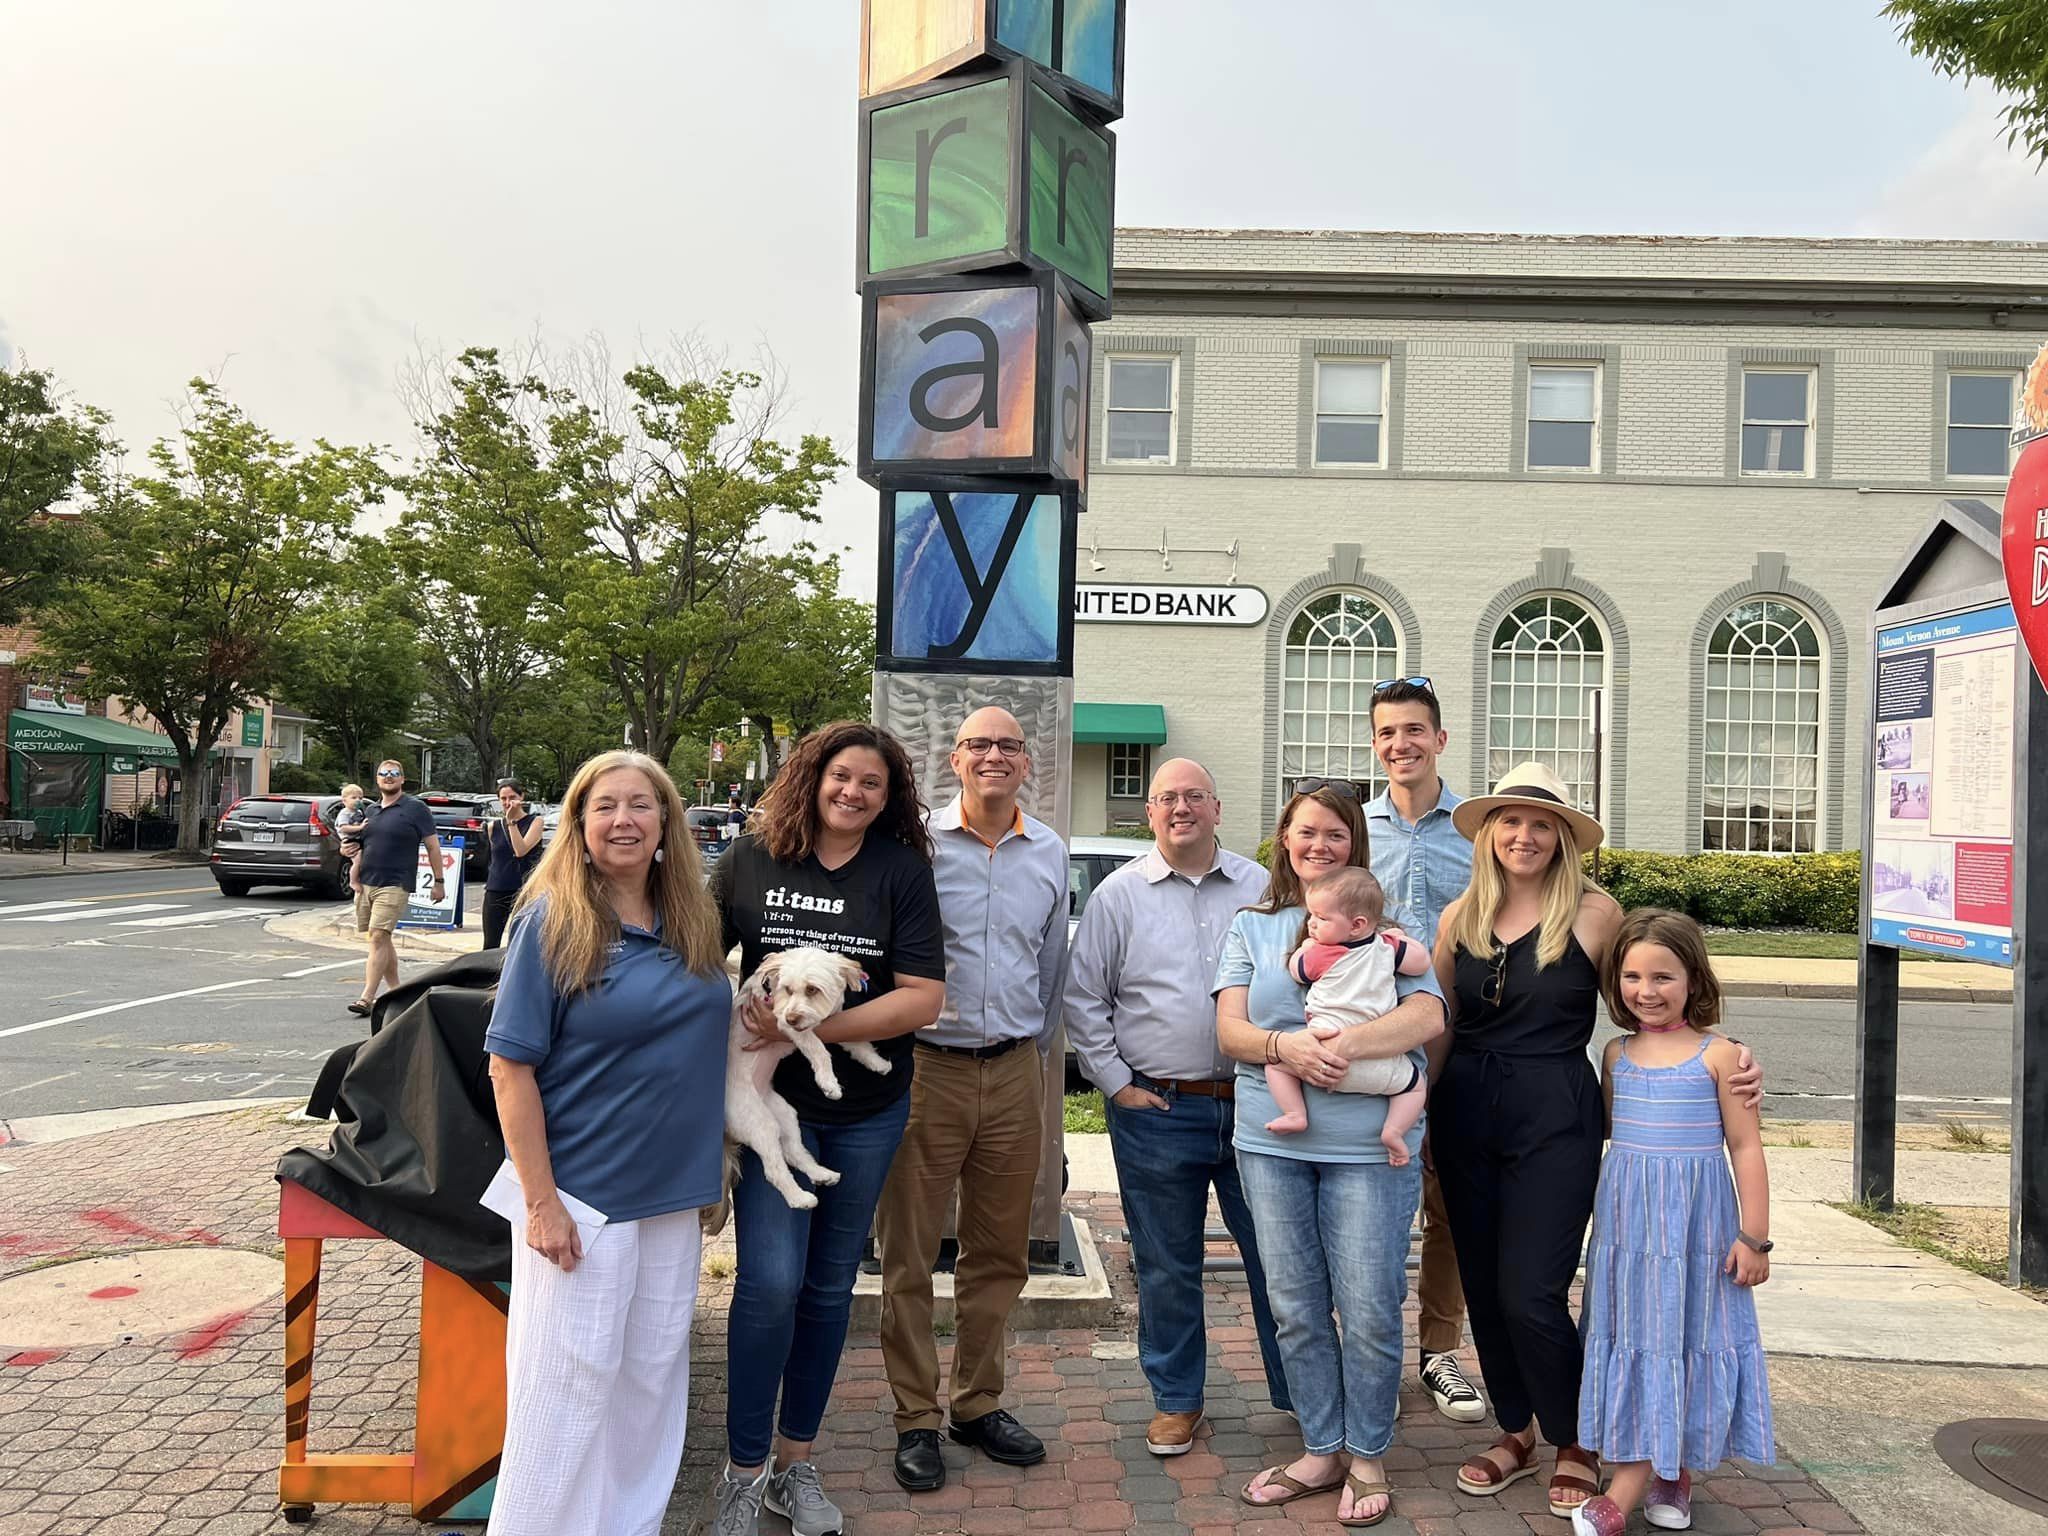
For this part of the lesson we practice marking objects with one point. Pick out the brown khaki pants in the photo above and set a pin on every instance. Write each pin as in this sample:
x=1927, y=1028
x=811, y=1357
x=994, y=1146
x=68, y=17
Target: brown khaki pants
x=1437, y=1291
x=974, y=1125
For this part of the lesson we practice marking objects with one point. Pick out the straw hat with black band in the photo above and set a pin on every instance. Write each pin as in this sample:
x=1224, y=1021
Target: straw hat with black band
x=1533, y=785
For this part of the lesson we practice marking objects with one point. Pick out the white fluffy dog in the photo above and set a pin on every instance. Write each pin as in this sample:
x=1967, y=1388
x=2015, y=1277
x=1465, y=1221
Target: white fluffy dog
x=804, y=987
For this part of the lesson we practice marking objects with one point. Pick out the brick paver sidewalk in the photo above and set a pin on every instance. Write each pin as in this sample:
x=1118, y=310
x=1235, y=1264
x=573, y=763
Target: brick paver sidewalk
x=181, y=1435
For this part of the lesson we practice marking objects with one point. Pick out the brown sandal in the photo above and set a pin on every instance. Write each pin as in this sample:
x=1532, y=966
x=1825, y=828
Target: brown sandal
x=1568, y=1478
x=1296, y=1489
x=1361, y=1489
x=1493, y=1479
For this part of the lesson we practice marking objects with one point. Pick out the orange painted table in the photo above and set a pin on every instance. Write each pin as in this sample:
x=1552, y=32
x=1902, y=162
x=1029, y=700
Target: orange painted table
x=459, y=1406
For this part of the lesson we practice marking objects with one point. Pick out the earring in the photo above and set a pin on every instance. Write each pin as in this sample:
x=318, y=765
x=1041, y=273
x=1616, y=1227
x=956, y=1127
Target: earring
x=657, y=855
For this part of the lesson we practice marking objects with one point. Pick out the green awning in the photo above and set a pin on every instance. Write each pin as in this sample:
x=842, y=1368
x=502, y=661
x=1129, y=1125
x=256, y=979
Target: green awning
x=34, y=730
x=1142, y=724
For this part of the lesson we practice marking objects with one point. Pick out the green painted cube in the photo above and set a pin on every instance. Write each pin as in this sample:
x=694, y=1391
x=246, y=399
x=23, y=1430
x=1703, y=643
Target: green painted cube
x=1080, y=43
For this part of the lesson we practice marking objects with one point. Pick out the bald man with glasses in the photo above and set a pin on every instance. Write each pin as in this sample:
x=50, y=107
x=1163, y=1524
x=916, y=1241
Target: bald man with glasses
x=1141, y=1019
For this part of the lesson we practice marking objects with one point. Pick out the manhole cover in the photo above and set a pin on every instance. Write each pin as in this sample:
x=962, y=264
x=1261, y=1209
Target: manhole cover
x=2005, y=1457
x=144, y=1294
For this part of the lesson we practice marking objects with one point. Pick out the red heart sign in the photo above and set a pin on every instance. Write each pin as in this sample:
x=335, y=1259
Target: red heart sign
x=2023, y=541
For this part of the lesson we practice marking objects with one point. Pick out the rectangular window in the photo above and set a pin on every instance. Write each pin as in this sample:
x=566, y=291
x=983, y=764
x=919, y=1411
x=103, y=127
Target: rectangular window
x=1564, y=417
x=1980, y=410
x=1126, y=770
x=1777, y=422
x=1351, y=413
x=1141, y=410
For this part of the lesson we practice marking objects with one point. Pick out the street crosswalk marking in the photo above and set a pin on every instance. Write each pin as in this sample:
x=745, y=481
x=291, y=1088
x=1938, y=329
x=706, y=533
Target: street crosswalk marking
x=90, y=911
x=8, y=912
x=189, y=919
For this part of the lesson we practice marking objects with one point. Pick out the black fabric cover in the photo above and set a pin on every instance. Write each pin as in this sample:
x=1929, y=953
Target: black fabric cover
x=418, y=1137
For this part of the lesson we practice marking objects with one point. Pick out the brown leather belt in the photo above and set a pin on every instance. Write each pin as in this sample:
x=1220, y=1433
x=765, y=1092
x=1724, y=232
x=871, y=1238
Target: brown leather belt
x=1199, y=1088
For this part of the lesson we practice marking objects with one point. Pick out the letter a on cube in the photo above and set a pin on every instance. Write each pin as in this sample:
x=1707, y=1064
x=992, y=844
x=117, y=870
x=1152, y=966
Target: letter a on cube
x=1079, y=42
x=980, y=375
x=976, y=172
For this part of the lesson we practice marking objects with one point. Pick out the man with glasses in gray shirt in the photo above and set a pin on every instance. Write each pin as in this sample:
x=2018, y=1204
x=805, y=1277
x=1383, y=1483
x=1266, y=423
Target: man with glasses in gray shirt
x=1142, y=1020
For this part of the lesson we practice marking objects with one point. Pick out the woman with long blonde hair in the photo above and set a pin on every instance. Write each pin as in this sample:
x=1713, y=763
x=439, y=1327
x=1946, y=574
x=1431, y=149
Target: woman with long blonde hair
x=607, y=1048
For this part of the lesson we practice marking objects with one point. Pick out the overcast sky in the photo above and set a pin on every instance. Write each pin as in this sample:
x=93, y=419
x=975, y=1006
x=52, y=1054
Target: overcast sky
x=302, y=198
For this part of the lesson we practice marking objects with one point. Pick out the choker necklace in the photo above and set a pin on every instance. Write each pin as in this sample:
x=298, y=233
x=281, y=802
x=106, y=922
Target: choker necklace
x=1663, y=1029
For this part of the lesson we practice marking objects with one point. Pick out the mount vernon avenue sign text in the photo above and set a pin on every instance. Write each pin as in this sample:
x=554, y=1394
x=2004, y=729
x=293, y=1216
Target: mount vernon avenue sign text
x=1106, y=604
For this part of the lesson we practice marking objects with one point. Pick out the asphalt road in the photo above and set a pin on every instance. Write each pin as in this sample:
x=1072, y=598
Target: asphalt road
x=72, y=945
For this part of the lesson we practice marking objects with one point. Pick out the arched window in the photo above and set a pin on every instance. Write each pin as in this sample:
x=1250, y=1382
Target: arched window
x=1338, y=646
x=1761, y=776
x=1548, y=659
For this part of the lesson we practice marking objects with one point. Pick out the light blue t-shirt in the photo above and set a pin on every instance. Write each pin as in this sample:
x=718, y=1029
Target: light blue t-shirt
x=1342, y=1127
x=631, y=1071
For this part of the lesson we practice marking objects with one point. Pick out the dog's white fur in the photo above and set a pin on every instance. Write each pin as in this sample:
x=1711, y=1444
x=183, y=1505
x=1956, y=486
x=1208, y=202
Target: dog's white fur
x=804, y=987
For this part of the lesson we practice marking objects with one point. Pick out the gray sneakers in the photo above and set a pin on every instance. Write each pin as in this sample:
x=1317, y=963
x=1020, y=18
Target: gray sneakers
x=796, y=1494
x=739, y=1503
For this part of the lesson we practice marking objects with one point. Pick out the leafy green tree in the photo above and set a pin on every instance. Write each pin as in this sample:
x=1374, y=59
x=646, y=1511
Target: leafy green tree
x=355, y=660
x=566, y=718
x=191, y=577
x=633, y=519
x=46, y=448
x=2002, y=42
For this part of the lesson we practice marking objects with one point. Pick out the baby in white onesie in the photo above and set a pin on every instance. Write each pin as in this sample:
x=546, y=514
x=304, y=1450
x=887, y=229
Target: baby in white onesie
x=1348, y=963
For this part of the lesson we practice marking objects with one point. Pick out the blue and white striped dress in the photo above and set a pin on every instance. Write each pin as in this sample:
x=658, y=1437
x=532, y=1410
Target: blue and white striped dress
x=1674, y=1366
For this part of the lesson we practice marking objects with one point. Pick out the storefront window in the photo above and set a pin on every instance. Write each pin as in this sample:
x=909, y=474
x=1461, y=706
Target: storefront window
x=1548, y=660
x=1762, y=771
x=1337, y=648
x=1126, y=771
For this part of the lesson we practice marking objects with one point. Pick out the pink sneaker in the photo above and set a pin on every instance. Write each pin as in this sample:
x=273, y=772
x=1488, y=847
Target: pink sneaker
x=1598, y=1516
x=1668, y=1504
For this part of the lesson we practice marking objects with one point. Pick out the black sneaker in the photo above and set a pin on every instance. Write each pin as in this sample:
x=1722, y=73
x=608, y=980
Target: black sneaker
x=1456, y=1398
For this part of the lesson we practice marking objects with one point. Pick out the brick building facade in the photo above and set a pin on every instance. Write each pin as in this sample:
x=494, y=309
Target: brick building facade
x=1649, y=483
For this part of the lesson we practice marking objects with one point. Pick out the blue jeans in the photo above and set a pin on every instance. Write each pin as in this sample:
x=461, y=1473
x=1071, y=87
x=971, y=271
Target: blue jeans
x=794, y=1286
x=1335, y=1238
x=1165, y=1164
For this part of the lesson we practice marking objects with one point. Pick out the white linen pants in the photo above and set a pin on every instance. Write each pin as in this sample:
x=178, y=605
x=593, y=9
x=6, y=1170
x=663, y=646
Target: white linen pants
x=597, y=1382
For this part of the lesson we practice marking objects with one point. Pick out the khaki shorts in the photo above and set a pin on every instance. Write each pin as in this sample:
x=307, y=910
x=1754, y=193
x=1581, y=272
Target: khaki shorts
x=379, y=907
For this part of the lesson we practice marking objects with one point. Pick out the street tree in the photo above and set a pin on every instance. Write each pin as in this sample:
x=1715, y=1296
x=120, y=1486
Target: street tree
x=47, y=446
x=566, y=717
x=652, y=518
x=191, y=576
x=355, y=657
x=2001, y=42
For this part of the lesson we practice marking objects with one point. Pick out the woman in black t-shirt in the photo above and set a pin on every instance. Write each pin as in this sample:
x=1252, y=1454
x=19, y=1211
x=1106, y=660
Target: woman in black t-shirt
x=514, y=842
x=839, y=859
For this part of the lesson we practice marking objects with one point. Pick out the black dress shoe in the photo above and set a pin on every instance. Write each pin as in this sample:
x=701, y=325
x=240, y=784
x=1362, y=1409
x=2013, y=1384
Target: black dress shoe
x=918, y=1465
x=1001, y=1438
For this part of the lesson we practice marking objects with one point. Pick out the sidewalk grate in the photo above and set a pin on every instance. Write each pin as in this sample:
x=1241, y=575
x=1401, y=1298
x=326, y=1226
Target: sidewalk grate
x=2007, y=1458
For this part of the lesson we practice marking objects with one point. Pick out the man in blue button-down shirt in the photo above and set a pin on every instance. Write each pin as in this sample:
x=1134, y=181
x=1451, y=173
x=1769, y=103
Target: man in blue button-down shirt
x=976, y=1105
x=1423, y=863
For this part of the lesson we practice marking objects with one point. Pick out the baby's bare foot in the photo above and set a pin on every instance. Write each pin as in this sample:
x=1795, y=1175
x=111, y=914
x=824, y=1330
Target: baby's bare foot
x=1397, y=1149
x=1287, y=1125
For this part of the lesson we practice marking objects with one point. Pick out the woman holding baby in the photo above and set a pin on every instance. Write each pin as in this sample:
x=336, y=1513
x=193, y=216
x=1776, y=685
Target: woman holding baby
x=607, y=1046
x=837, y=858
x=1331, y=1205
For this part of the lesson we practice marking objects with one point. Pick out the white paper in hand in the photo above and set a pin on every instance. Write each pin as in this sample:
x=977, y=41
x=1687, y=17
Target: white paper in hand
x=508, y=1199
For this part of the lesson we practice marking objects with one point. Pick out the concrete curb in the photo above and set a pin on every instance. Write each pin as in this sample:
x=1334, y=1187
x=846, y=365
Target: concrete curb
x=1829, y=990
x=41, y=1130
x=335, y=928
x=143, y=864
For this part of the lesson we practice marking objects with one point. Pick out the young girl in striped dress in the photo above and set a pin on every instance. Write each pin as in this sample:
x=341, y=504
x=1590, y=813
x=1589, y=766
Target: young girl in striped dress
x=1674, y=1375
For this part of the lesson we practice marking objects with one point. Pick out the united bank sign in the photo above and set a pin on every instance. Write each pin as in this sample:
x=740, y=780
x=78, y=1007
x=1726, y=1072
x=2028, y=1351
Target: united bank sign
x=1104, y=603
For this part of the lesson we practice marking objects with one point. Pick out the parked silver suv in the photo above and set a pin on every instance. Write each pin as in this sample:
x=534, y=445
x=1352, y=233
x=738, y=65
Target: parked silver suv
x=279, y=840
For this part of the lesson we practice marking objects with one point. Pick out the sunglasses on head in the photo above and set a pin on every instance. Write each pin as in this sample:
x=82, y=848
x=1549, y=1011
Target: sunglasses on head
x=1413, y=682
x=1343, y=789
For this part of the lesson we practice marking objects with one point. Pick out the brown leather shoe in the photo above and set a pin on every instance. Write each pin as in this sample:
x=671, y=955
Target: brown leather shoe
x=1172, y=1434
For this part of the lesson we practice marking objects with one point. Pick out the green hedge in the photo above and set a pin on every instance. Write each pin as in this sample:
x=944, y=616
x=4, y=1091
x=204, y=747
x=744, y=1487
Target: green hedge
x=1740, y=890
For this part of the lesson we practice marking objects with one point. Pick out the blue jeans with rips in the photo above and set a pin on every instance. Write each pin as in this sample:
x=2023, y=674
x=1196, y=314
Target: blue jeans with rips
x=1335, y=1240
x=1165, y=1164
x=794, y=1285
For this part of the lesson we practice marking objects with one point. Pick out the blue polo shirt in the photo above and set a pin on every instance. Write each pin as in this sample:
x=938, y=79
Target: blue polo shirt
x=1342, y=1127
x=631, y=1071
x=1424, y=866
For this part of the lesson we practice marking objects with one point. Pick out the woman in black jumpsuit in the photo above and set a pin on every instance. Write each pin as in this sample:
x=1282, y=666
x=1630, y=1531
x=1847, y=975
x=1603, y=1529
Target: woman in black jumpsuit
x=1516, y=1118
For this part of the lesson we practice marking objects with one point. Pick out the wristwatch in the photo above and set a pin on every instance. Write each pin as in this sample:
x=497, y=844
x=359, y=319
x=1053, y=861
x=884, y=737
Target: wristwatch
x=1749, y=1242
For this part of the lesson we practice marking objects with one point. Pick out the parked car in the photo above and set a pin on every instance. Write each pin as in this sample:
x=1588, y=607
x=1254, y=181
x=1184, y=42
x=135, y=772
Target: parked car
x=1090, y=861
x=464, y=816
x=279, y=840
x=707, y=826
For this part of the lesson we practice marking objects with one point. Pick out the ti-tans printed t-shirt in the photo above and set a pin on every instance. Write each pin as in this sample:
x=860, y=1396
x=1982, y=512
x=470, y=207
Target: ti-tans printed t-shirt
x=880, y=907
